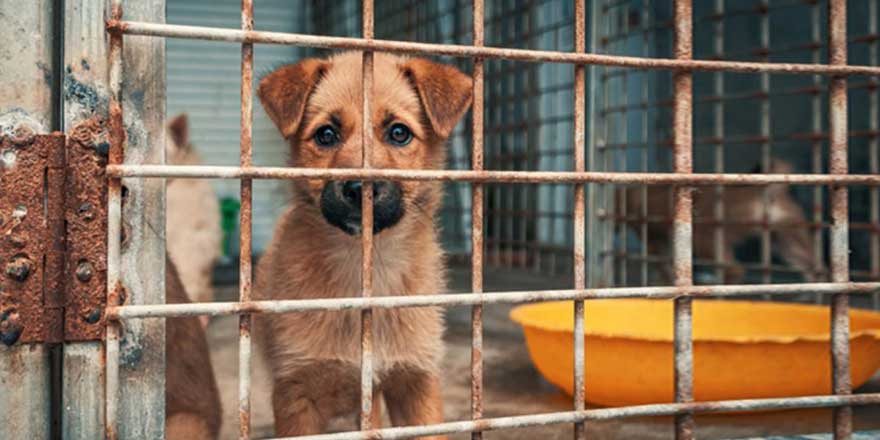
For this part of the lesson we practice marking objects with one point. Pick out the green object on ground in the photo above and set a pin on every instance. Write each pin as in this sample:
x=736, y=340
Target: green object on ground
x=229, y=208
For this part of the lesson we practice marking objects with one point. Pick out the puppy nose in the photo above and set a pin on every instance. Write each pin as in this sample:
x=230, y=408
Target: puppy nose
x=351, y=190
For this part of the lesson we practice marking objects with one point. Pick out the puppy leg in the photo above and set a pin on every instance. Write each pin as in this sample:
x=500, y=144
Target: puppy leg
x=413, y=398
x=295, y=413
x=376, y=415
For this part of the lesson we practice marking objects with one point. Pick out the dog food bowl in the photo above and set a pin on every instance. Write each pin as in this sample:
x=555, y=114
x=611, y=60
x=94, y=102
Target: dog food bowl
x=741, y=349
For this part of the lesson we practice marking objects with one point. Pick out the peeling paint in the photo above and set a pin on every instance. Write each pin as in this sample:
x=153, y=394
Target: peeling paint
x=16, y=119
x=82, y=100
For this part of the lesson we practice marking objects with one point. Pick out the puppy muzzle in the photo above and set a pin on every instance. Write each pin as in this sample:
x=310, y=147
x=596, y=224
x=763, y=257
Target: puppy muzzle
x=341, y=205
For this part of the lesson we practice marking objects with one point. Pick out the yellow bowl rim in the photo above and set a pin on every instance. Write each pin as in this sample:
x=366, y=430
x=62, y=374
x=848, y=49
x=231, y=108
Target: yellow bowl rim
x=516, y=315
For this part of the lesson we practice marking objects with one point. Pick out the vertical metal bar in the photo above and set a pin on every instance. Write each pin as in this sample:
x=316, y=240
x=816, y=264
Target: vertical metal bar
x=140, y=348
x=682, y=224
x=766, y=271
x=837, y=114
x=114, y=223
x=874, y=151
x=27, y=99
x=580, y=43
x=646, y=75
x=367, y=226
x=718, y=133
x=606, y=258
x=141, y=380
x=246, y=224
x=594, y=116
x=817, y=147
x=477, y=226
x=624, y=134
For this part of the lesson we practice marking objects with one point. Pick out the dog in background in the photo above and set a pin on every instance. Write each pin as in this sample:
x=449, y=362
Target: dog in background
x=192, y=218
x=192, y=401
x=789, y=234
x=314, y=357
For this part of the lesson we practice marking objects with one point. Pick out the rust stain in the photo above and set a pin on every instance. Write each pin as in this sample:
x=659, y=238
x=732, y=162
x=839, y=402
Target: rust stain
x=85, y=212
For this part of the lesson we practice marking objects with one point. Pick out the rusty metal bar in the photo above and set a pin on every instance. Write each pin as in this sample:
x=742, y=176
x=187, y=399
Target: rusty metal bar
x=579, y=237
x=766, y=143
x=837, y=114
x=817, y=145
x=114, y=224
x=682, y=237
x=718, y=132
x=327, y=42
x=643, y=211
x=477, y=225
x=487, y=176
x=245, y=270
x=607, y=271
x=467, y=299
x=756, y=94
x=367, y=225
x=874, y=152
x=662, y=409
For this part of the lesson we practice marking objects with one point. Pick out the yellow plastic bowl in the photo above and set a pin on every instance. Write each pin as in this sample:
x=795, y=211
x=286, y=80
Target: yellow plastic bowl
x=741, y=349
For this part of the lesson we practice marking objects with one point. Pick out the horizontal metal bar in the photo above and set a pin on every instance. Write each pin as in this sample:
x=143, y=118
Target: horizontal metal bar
x=328, y=42
x=462, y=299
x=659, y=409
x=232, y=172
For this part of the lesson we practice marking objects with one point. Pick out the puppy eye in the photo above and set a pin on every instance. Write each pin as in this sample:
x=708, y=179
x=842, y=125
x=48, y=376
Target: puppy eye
x=326, y=136
x=399, y=135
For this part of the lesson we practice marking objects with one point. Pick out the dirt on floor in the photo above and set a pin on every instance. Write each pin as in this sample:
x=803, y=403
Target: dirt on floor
x=512, y=386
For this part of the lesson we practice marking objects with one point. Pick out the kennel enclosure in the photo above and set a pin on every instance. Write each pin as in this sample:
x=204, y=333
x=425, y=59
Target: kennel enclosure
x=110, y=78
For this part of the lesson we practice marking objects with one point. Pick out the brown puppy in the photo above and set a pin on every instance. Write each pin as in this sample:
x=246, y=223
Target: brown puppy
x=741, y=204
x=316, y=251
x=192, y=218
x=192, y=401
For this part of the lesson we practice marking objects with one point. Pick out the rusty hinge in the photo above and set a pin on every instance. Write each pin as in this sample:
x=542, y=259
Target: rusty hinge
x=53, y=239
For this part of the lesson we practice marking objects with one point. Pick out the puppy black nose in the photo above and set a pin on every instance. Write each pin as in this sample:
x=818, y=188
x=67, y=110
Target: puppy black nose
x=351, y=190
x=341, y=205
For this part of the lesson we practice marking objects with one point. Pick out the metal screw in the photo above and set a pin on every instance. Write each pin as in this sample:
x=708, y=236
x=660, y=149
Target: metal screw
x=84, y=271
x=86, y=211
x=10, y=327
x=7, y=158
x=102, y=148
x=19, y=268
x=94, y=315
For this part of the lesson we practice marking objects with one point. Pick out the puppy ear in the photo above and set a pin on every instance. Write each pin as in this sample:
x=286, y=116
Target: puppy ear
x=178, y=129
x=285, y=91
x=445, y=92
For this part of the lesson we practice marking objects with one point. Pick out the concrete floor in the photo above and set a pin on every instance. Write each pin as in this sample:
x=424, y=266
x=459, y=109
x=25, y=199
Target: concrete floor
x=511, y=385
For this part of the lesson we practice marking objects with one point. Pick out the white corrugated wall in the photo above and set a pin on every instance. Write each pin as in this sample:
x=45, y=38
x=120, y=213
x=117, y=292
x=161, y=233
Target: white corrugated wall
x=204, y=81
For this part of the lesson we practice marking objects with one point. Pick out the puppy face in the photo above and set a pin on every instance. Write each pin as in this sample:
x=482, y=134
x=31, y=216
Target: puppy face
x=316, y=104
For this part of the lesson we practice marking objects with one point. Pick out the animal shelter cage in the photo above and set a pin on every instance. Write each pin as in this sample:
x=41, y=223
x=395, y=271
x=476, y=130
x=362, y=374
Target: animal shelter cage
x=677, y=94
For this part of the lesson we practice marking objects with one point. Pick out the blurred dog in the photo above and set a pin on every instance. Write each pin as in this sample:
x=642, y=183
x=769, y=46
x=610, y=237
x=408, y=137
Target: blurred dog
x=192, y=401
x=744, y=204
x=192, y=218
x=316, y=251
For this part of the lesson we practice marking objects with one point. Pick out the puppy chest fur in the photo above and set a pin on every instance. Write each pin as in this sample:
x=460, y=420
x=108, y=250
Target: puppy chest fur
x=305, y=265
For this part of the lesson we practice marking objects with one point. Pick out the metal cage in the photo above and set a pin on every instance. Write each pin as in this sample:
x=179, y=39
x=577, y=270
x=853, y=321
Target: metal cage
x=129, y=302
